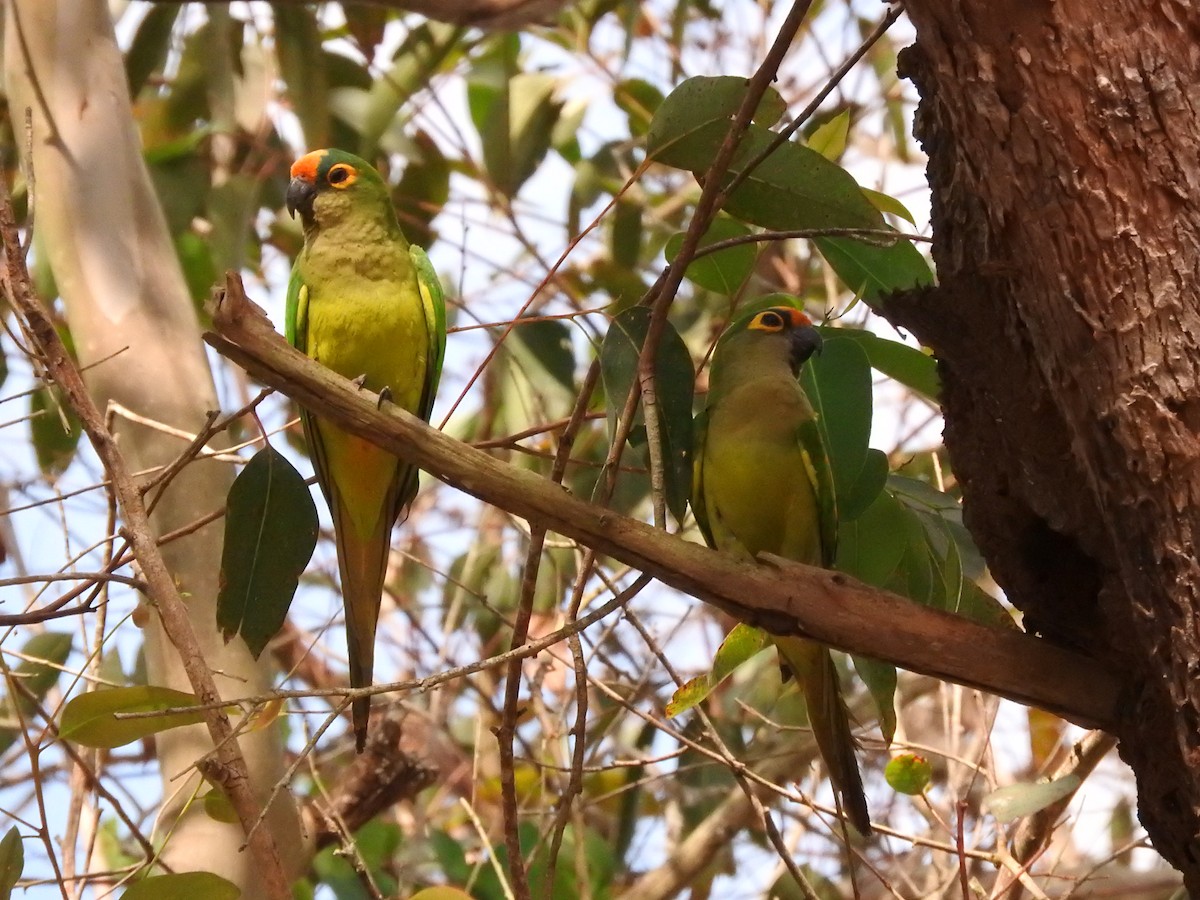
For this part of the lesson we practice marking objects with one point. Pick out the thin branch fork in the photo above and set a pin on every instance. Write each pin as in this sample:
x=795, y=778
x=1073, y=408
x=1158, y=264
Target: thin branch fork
x=780, y=596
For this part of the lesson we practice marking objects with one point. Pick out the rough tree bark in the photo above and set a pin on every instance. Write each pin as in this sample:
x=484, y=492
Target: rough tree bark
x=119, y=277
x=1064, y=157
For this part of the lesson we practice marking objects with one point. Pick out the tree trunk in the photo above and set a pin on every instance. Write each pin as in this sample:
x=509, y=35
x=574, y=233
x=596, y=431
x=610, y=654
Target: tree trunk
x=1064, y=158
x=128, y=305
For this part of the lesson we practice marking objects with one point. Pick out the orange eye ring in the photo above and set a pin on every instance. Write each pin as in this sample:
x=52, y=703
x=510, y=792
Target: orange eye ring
x=341, y=176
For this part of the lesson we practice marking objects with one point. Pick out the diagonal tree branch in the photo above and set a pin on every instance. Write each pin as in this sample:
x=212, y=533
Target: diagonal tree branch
x=779, y=596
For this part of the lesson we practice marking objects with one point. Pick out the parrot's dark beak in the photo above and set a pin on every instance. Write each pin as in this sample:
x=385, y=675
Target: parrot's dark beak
x=299, y=198
x=804, y=341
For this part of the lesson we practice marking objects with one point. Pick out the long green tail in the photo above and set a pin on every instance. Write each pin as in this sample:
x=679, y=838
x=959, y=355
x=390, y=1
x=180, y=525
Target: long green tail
x=363, y=566
x=830, y=720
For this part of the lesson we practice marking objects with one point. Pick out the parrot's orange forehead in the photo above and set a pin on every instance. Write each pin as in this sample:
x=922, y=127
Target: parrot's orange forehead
x=795, y=317
x=305, y=168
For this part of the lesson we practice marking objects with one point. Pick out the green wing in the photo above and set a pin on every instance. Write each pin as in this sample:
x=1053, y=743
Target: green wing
x=699, y=509
x=434, y=302
x=816, y=463
x=295, y=325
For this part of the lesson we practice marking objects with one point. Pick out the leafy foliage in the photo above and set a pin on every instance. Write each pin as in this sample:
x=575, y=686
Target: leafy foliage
x=270, y=533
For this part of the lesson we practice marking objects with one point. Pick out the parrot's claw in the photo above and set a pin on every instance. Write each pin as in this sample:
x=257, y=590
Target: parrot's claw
x=360, y=381
x=385, y=396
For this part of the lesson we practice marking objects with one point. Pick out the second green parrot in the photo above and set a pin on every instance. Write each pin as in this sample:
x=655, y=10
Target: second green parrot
x=762, y=484
x=367, y=304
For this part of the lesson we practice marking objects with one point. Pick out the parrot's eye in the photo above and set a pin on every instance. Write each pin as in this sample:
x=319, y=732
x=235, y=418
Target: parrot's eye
x=341, y=175
x=770, y=321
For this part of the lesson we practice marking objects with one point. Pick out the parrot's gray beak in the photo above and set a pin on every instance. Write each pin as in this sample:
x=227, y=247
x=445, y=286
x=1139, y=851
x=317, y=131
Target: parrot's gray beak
x=299, y=198
x=804, y=343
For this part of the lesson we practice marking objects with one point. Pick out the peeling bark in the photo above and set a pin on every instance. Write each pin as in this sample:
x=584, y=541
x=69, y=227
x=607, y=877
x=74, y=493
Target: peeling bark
x=1064, y=158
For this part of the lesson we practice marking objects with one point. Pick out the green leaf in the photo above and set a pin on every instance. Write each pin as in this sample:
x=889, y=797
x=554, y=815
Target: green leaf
x=12, y=861
x=45, y=655
x=183, y=886
x=793, y=188
x=376, y=842
x=148, y=50
x=376, y=110
x=675, y=381
x=880, y=679
x=830, y=139
x=1016, y=800
x=302, y=64
x=870, y=482
x=199, y=271
x=548, y=342
x=724, y=271
x=872, y=546
x=694, y=118
x=838, y=384
x=270, y=535
x=742, y=643
x=55, y=430
x=886, y=203
x=913, y=368
x=89, y=719
x=627, y=233
x=219, y=808
x=638, y=99
x=873, y=271
x=514, y=112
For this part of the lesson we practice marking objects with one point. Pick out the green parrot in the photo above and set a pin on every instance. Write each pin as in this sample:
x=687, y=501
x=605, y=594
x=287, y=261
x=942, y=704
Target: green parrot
x=762, y=484
x=367, y=304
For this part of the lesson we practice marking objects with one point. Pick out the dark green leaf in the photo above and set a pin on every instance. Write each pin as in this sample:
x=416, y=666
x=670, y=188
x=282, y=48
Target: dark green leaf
x=270, y=535
x=873, y=271
x=838, y=384
x=151, y=42
x=793, y=188
x=89, y=719
x=196, y=258
x=627, y=233
x=880, y=679
x=183, y=886
x=872, y=546
x=694, y=119
x=871, y=479
x=302, y=65
x=12, y=861
x=548, y=341
x=55, y=430
x=674, y=379
x=911, y=367
x=724, y=271
x=37, y=673
x=451, y=857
